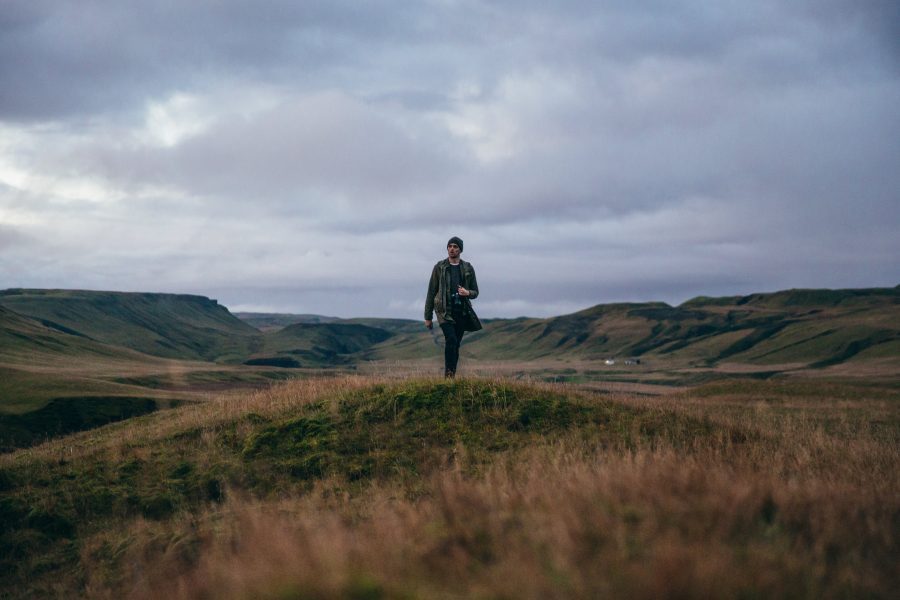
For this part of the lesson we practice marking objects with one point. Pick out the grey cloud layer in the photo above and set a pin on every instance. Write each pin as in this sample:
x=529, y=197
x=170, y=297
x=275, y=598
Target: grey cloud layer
x=110, y=55
x=615, y=150
x=104, y=55
x=325, y=142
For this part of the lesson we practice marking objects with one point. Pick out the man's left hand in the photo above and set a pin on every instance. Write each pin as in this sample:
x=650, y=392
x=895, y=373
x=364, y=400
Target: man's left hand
x=462, y=291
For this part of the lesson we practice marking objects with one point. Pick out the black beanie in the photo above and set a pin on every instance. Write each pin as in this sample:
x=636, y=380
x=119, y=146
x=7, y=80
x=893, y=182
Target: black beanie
x=457, y=241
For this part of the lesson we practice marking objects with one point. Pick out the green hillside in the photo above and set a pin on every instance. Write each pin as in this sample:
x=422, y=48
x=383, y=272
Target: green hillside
x=817, y=328
x=267, y=322
x=271, y=322
x=393, y=326
x=26, y=338
x=317, y=344
x=54, y=379
x=168, y=325
x=42, y=361
x=58, y=347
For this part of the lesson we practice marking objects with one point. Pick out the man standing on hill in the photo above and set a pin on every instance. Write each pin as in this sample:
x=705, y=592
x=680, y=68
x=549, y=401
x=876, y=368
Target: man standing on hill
x=450, y=293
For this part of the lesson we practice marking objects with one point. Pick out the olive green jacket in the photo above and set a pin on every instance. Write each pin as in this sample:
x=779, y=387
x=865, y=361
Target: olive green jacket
x=438, y=299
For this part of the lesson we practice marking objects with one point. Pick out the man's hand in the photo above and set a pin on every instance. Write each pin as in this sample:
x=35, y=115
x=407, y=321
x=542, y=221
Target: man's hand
x=462, y=291
x=428, y=324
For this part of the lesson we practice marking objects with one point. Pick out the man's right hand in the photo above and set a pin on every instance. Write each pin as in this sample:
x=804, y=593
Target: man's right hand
x=428, y=324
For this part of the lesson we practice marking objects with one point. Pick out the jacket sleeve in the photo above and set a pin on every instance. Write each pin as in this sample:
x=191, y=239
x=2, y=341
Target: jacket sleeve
x=473, y=284
x=432, y=290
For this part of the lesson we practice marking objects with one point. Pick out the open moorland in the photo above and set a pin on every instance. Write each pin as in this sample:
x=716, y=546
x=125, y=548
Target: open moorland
x=368, y=487
x=71, y=360
x=732, y=447
x=781, y=332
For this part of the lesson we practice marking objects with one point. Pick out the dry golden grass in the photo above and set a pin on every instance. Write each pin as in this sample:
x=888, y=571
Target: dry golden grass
x=808, y=505
x=647, y=525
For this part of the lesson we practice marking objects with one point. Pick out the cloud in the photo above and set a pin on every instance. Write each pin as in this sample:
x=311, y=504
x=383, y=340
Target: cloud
x=316, y=156
x=109, y=56
x=13, y=237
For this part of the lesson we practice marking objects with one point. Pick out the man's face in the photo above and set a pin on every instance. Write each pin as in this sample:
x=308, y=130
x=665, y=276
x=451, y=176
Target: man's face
x=452, y=250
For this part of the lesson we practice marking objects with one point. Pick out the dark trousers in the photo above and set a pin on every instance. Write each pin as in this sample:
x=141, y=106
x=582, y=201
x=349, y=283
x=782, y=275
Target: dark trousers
x=453, y=334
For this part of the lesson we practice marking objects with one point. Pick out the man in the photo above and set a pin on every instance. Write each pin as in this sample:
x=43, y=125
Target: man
x=450, y=293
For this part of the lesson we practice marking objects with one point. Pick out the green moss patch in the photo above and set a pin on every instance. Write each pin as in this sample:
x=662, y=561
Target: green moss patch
x=411, y=427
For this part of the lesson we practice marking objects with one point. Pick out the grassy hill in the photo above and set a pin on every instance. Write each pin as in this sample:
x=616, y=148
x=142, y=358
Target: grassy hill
x=267, y=322
x=303, y=340
x=815, y=328
x=272, y=322
x=42, y=361
x=47, y=387
x=168, y=325
x=373, y=488
x=59, y=347
x=23, y=338
x=55, y=379
x=185, y=327
x=316, y=344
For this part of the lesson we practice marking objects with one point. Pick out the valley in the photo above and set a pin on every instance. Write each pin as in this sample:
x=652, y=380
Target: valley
x=60, y=347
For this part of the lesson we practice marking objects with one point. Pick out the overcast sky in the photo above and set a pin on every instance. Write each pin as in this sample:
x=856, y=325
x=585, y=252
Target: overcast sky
x=315, y=156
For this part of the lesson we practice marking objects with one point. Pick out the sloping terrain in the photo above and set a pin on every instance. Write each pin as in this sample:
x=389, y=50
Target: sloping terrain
x=816, y=328
x=316, y=344
x=423, y=488
x=167, y=325
x=29, y=340
x=54, y=379
x=268, y=322
x=272, y=322
x=358, y=431
x=59, y=347
x=42, y=361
